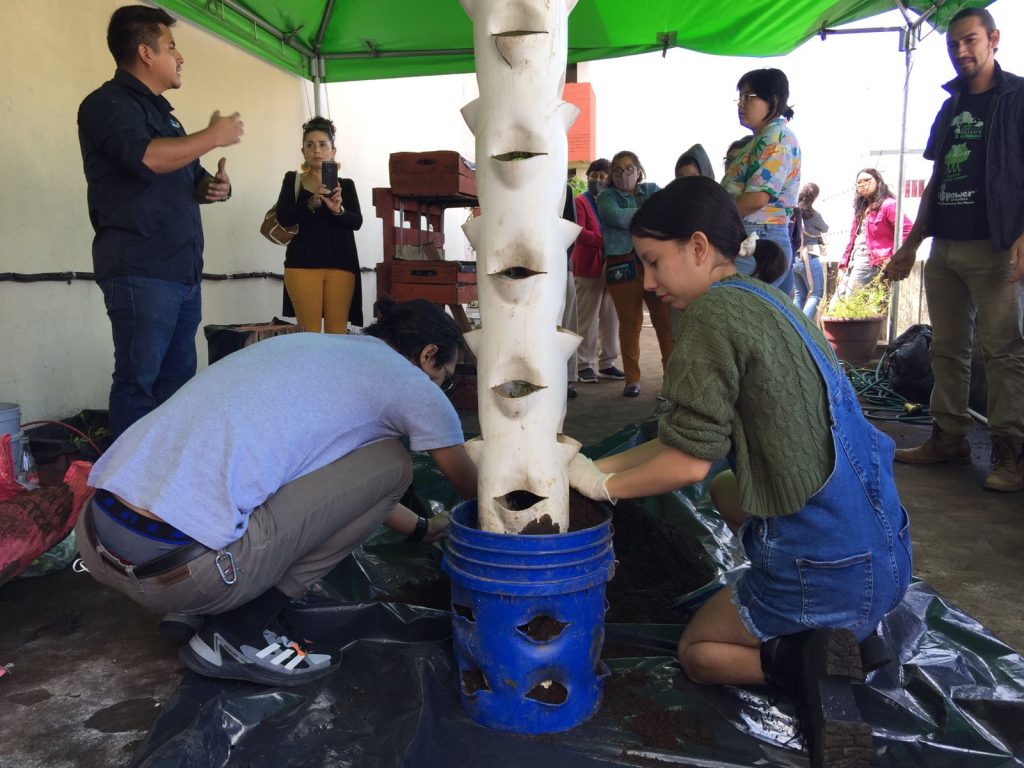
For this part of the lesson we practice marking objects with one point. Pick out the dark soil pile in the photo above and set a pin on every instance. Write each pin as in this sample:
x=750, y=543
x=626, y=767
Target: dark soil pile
x=656, y=565
x=659, y=728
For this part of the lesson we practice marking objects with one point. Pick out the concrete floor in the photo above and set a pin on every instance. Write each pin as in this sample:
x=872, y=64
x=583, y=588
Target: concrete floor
x=87, y=674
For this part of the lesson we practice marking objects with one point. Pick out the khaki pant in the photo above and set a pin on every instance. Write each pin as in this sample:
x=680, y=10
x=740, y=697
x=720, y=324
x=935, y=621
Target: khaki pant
x=965, y=282
x=294, y=538
x=629, y=299
x=599, y=324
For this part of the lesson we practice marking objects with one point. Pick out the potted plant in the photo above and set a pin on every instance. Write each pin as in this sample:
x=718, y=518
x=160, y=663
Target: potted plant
x=852, y=324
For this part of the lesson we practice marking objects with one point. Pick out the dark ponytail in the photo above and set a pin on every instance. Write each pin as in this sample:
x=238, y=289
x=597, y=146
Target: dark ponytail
x=699, y=204
x=407, y=327
x=770, y=260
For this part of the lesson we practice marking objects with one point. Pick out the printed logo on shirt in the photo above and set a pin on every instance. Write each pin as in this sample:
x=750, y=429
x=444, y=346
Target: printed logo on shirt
x=966, y=127
x=956, y=198
x=954, y=160
x=174, y=123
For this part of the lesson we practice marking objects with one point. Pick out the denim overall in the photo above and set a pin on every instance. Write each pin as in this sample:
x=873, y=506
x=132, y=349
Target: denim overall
x=844, y=560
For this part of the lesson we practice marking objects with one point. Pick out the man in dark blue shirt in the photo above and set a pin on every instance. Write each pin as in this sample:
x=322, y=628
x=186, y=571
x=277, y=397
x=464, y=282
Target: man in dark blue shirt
x=145, y=185
x=974, y=210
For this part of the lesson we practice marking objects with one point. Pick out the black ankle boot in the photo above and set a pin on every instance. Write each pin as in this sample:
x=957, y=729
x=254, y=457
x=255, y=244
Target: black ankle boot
x=874, y=653
x=817, y=669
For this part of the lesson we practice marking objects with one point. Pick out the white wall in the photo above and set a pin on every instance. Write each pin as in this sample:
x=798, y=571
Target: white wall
x=55, y=350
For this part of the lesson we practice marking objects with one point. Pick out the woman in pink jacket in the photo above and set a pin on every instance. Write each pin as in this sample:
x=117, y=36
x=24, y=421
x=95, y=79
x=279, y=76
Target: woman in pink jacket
x=871, y=234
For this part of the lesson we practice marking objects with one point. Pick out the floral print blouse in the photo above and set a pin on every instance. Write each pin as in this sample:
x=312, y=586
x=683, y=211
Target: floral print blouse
x=770, y=163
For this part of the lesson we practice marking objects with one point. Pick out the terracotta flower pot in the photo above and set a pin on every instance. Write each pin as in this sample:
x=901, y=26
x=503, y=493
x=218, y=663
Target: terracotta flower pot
x=853, y=338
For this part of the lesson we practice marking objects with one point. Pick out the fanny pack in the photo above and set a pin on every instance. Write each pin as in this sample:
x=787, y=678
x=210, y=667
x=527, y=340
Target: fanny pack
x=621, y=271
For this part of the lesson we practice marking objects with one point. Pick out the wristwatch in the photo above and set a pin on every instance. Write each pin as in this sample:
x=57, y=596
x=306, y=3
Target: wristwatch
x=419, y=531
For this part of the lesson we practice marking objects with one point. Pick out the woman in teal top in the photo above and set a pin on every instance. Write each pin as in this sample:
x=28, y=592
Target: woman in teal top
x=624, y=274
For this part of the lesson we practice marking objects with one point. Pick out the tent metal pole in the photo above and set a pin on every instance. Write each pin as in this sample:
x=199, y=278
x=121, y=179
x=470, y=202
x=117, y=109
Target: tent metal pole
x=287, y=39
x=909, y=45
x=908, y=42
x=316, y=71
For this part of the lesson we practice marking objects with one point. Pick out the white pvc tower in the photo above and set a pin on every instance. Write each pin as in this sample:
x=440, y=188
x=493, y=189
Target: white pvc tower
x=520, y=124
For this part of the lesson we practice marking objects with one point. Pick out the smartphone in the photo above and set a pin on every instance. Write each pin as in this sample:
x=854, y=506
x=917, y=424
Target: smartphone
x=329, y=174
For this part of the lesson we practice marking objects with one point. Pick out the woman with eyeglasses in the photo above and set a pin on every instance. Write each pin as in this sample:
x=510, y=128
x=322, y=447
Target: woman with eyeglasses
x=624, y=274
x=871, y=234
x=267, y=469
x=765, y=176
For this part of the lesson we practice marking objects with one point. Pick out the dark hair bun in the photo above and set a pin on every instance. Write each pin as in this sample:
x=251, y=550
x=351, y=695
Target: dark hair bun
x=319, y=124
x=384, y=306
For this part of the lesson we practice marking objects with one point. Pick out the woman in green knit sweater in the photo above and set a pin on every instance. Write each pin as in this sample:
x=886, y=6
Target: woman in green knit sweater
x=815, y=503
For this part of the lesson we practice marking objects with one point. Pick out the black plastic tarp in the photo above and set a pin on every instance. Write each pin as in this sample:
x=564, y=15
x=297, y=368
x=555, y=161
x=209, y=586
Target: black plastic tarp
x=954, y=697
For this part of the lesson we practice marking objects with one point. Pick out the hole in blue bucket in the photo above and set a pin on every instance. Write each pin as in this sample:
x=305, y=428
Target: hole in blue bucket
x=549, y=692
x=473, y=680
x=542, y=628
x=463, y=611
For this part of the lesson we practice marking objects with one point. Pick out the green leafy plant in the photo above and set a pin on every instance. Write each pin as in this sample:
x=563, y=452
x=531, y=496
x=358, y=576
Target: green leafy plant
x=871, y=300
x=578, y=184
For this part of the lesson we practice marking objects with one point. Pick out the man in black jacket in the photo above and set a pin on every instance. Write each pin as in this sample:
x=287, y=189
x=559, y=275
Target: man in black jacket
x=145, y=184
x=973, y=207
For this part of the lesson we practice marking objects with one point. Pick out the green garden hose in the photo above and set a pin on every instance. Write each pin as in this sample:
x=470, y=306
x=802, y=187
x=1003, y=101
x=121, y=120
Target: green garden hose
x=880, y=401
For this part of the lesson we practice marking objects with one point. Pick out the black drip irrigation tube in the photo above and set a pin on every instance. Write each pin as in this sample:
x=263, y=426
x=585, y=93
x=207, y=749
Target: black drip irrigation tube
x=68, y=277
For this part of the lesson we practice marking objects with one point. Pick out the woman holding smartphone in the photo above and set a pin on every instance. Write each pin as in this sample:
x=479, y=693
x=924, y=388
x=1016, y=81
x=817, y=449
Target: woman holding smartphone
x=321, y=265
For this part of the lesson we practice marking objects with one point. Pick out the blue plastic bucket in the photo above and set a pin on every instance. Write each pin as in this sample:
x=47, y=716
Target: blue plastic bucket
x=528, y=623
x=10, y=424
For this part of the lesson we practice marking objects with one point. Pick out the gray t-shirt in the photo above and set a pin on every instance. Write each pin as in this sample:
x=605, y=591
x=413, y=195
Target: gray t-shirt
x=264, y=416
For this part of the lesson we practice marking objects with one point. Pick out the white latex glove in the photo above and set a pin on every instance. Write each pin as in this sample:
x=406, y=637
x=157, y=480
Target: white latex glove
x=586, y=478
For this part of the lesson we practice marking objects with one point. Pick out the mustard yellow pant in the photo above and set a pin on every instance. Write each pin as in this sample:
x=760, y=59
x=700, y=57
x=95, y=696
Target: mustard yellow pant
x=321, y=293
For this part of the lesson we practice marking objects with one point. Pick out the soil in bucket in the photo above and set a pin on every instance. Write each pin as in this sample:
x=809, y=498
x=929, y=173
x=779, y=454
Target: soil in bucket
x=657, y=564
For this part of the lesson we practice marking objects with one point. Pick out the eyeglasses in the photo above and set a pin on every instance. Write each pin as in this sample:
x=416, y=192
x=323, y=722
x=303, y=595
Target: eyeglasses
x=746, y=98
x=448, y=384
x=629, y=170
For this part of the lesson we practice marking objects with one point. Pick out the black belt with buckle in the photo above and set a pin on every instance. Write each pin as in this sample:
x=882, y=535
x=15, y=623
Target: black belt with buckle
x=158, y=565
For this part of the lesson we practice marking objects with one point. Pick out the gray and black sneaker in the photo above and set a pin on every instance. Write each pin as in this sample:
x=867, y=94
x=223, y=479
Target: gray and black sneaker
x=272, y=659
x=179, y=627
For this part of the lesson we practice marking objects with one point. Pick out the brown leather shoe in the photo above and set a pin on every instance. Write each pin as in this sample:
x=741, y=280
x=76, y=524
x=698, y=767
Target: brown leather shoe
x=940, y=447
x=1006, y=465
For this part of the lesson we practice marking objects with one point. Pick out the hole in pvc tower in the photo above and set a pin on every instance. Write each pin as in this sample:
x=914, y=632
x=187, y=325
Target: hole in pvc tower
x=473, y=680
x=542, y=628
x=515, y=388
x=520, y=32
x=516, y=273
x=463, y=611
x=549, y=692
x=519, y=154
x=517, y=501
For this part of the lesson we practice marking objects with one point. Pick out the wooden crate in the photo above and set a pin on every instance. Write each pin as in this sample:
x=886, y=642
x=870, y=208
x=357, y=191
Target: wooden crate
x=431, y=174
x=433, y=272
x=443, y=282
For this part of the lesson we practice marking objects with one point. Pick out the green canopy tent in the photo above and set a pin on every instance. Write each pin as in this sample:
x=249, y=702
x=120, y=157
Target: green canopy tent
x=328, y=41
x=340, y=40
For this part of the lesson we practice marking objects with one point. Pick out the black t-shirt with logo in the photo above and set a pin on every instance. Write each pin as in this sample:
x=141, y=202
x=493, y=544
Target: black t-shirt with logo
x=959, y=212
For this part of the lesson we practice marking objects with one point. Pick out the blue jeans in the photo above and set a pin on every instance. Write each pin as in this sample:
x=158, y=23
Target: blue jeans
x=843, y=561
x=778, y=234
x=808, y=300
x=154, y=325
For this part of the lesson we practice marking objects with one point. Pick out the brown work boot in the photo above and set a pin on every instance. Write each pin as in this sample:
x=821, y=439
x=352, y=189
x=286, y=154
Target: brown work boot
x=940, y=447
x=1006, y=465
